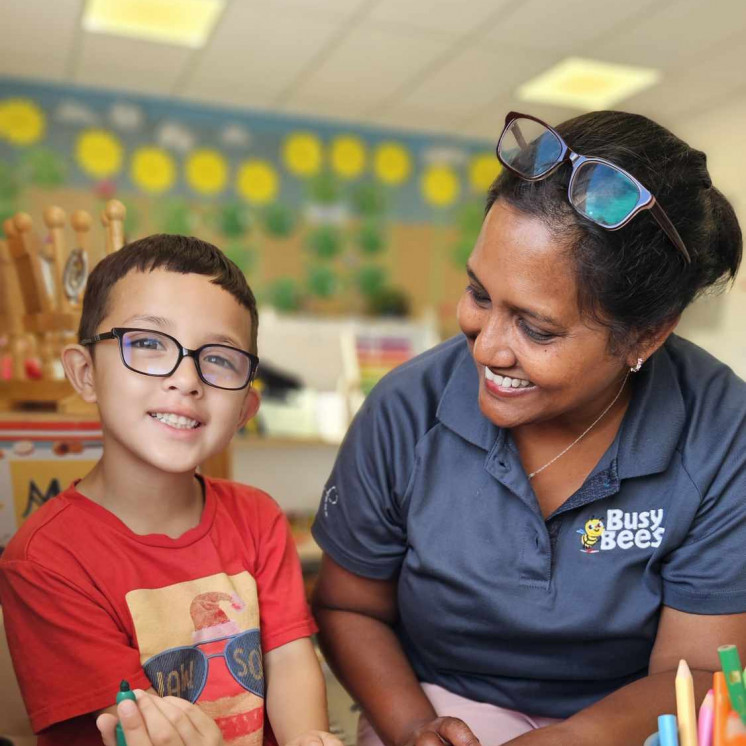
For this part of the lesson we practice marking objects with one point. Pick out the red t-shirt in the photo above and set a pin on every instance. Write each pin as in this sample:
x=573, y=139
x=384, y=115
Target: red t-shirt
x=87, y=603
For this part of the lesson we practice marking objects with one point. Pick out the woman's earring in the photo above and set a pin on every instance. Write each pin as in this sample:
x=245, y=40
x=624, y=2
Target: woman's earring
x=636, y=368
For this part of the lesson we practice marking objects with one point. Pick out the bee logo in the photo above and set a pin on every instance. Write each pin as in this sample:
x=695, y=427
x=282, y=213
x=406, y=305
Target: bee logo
x=591, y=533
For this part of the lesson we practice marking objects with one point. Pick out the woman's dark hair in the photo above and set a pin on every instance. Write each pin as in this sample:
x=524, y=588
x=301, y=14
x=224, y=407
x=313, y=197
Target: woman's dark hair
x=173, y=253
x=634, y=280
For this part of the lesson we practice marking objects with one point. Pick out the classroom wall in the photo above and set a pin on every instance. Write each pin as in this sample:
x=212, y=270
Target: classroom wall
x=719, y=323
x=324, y=217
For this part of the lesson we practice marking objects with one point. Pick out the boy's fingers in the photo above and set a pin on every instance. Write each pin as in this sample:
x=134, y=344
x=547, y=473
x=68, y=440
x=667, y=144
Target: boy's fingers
x=159, y=728
x=329, y=739
x=178, y=719
x=106, y=723
x=202, y=722
x=133, y=723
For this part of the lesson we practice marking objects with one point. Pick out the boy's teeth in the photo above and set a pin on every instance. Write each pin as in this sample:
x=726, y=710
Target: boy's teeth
x=506, y=382
x=175, y=420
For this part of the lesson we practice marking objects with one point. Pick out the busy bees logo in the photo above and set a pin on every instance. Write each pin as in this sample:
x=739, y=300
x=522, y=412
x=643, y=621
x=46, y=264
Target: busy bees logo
x=622, y=530
x=590, y=534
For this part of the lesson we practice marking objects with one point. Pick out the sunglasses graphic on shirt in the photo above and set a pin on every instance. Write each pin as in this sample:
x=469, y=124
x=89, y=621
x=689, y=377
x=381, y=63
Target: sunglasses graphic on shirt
x=182, y=672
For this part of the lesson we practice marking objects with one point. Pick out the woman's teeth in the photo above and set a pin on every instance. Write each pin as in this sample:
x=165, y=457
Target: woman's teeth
x=175, y=420
x=506, y=382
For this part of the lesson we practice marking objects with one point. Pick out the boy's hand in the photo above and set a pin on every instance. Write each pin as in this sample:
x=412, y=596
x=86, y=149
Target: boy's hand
x=167, y=721
x=314, y=738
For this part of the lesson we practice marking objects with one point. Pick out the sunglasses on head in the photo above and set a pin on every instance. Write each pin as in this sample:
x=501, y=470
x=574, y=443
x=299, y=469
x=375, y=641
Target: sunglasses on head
x=599, y=190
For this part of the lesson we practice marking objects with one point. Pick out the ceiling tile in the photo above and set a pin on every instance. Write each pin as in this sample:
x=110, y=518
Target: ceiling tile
x=443, y=17
x=312, y=8
x=676, y=33
x=368, y=65
x=255, y=54
x=473, y=79
x=129, y=64
x=38, y=37
x=563, y=27
x=688, y=90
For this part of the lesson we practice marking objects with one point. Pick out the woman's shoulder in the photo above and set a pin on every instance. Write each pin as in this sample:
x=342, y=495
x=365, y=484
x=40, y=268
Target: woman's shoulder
x=714, y=401
x=702, y=375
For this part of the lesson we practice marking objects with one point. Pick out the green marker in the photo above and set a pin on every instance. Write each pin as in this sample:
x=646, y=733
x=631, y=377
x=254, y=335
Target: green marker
x=731, y=664
x=126, y=693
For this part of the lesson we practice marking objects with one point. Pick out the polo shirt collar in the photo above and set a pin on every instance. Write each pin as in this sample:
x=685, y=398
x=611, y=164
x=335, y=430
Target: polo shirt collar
x=654, y=422
x=649, y=435
x=459, y=408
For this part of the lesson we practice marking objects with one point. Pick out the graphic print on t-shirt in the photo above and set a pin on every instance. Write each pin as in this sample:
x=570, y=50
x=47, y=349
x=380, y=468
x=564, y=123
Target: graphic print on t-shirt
x=199, y=640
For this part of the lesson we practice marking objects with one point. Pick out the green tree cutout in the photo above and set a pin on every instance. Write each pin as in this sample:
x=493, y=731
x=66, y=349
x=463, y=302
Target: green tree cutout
x=285, y=294
x=278, y=220
x=43, y=167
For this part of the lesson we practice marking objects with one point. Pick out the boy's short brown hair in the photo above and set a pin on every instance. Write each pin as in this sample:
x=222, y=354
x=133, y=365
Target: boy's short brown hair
x=182, y=254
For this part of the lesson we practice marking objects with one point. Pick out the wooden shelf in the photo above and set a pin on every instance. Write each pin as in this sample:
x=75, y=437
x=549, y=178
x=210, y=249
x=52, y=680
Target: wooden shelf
x=34, y=391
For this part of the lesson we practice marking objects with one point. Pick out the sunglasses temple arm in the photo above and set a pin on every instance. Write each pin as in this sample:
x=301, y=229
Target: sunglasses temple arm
x=670, y=230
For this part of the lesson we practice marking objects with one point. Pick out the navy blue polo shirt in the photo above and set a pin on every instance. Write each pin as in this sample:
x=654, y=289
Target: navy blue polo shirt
x=500, y=605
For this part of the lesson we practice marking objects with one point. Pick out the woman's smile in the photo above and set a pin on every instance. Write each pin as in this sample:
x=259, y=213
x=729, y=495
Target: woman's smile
x=502, y=386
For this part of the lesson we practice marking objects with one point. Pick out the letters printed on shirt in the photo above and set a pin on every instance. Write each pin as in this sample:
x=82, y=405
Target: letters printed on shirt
x=622, y=530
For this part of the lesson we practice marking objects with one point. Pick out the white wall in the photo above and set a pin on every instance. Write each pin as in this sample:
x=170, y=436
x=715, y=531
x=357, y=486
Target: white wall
x=719, y=323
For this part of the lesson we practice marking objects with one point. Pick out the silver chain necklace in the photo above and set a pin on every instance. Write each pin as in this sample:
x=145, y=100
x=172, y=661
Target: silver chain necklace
x=584, y=433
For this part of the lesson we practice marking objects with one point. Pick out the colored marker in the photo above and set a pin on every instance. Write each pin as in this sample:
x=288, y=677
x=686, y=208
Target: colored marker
x=731, y=664
x=668, y=732
x=652, y=740
x=735, y=730
x=706, y=719
x=722, y=708
x=685, y=712
x=124, y=693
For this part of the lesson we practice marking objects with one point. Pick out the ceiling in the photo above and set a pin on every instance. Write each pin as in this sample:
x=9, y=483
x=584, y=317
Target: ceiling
x=429, y=65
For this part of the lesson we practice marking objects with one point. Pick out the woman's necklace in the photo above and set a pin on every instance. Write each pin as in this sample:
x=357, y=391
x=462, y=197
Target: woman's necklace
x=584, y=433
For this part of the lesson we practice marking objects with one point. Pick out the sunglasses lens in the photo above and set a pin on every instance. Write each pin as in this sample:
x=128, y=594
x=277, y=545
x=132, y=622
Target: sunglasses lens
x=179, y=672
x=529, y=148
x=243, y=655
x=603, y=194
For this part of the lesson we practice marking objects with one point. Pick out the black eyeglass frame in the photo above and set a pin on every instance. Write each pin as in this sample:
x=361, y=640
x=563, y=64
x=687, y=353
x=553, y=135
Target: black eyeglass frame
x=118, y=333
x=646, y=200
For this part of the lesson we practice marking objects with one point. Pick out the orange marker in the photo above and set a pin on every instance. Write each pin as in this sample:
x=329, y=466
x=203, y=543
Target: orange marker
x=735, y=730
x=722, y=708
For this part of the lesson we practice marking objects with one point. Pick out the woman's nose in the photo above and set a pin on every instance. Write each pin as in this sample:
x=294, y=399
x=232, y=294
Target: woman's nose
x=491, y=346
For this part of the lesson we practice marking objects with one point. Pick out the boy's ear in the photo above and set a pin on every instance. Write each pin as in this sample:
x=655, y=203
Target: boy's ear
x=250, y=407
x=78, y=365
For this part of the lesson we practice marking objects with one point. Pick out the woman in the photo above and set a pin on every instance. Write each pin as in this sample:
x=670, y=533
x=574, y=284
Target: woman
x=528, y=526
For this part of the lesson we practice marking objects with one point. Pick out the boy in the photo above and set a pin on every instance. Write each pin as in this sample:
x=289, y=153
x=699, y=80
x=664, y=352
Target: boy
x=183, y=585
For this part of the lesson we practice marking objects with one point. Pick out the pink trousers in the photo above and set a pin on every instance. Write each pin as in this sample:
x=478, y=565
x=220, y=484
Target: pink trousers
x=492, y=725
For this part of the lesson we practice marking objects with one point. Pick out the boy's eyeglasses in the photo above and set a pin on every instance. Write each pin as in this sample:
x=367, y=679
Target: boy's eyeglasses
x=182, y=672
x=598, y=189
x=157, y=354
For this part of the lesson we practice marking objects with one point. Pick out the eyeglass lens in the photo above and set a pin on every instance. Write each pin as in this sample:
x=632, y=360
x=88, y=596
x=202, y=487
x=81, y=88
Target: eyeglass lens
x=530, y=148
x=601, y=193
x=157, y=355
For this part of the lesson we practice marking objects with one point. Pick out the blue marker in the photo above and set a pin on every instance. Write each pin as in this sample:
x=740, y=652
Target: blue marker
x=668, y=730
x=652, y=740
